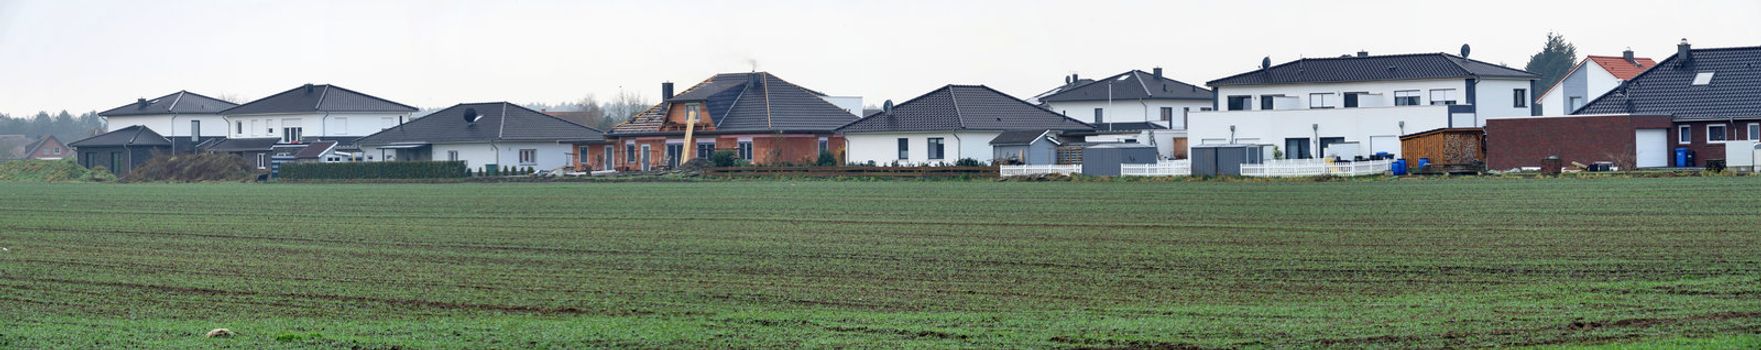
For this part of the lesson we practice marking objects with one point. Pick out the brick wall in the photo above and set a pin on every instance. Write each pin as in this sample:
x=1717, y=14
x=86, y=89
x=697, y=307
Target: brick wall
x=1703, y=148
x=1520, y=142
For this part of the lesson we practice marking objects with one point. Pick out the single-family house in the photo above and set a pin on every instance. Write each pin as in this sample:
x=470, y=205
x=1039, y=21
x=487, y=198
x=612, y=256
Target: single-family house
x=305, y=114
x=189, y=120
x=1590, y=78
x=1145, y=107
x=946, y=125
x=46, y=148
x=483, y=135
x=759, y=117
x=122, y=149
x=1712, y=95
x=1304, y=106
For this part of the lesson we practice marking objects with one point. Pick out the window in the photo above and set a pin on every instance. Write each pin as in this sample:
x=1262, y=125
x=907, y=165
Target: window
x=1521, y=98
x=1716, y=133
x=824, y=146
x=584, y=156
x=1168, y=114
x=1269, y=102
x=1320, y=100
x=1239, y=103
x=1442, y=96
x=262, y=161
x=745, y=148
x=291, y=134
x=1406, y=98
x=454, y=156
x=904, y=148
x=691, y=112
x=629, y=153
x=1099, y=114
x=1574, y=103
x=241, y=128
x=1351, y=99
x=1703, y=78
x=674, y=153
x=1297, y=148
x=1684, y=135
x=704, y=150
x=89, y=158
x=195, y=130
x=55, y=150
x=935, y=148
x=1754, y=131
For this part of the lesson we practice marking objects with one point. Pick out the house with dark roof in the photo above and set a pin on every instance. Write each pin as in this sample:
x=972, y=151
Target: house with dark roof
x=1145, y=107
x=46, y=148
x=188, y=119
x=484, y=135
x=305, y=114
x=122, y=149
x=1711, y=96
x=1362, y=102
x=1590, y=78
x=758, y=116
x=946, y=125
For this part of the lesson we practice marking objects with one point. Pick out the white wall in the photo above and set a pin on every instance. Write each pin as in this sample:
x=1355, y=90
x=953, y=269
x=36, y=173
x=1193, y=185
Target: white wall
x=883, y=148
x=1361, y=125
x=313, y=124
x=551, y=155
x=1383, y=92
x=1497, y=98
x=1129, y=111
x=170, y=125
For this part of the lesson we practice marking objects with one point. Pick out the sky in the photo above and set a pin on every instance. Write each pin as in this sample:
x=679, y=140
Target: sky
x=86, y=55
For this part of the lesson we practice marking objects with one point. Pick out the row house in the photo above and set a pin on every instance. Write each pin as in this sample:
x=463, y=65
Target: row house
x=1139, y=106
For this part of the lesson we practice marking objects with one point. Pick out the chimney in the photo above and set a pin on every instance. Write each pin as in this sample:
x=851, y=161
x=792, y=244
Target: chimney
x=1074, y=77
x=1158, y=72
x=1363, y=54
x=309, y=88
x=1628, y=55
x=142, y=101
x=666, y=91
x=1684, y=52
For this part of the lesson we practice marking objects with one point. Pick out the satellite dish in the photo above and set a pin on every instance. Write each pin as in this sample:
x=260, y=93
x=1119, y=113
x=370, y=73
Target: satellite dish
x=887, y=107
x=1266, y=62
x=471, y=115
x=1464, y=50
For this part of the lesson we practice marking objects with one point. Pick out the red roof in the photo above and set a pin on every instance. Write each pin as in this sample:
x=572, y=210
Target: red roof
x=1620, y=68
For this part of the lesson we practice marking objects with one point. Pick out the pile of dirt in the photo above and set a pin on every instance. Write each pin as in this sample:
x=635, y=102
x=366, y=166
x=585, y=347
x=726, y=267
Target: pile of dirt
x=193, y=168
x=51, y=171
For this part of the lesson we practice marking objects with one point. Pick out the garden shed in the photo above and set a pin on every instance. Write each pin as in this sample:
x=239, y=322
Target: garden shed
x=1104, y=159
x=1446, y=148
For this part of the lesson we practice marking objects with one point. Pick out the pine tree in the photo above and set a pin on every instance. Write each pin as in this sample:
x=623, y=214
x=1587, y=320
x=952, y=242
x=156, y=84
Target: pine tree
x=1555, y=59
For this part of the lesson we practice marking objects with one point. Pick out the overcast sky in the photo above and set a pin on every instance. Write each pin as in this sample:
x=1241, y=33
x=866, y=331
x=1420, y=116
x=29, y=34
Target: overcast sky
x=83, y=55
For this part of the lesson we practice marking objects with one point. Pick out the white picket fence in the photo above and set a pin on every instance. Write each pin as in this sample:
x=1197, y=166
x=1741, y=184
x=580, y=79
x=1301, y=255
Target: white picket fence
x=1028, y=170
x=1164, y=168
x=1315, y=167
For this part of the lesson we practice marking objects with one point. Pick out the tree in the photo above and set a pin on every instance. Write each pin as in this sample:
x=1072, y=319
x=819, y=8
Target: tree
x=626, y=105
x=1554, y=60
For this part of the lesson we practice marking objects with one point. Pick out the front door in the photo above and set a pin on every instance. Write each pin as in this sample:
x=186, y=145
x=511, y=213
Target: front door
x=605, y=158
x=644, y=157
x=1651, y=148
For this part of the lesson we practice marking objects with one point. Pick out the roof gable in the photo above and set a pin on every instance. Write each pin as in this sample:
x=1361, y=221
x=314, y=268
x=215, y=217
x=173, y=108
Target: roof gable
x=1372, y=68
x=1131, y=85
x=135, y=135
x=1620, y=68
x=318, y=98
x=181, y=102
x=1667, y=89
x=965, y=107
x=740, y=102
x=496, y=121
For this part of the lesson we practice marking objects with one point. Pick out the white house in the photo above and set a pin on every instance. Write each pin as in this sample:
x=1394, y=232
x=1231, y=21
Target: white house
x=1145, y=107
x=187, y=118
x=946, y=125
x=1305, y=105
x=1593, y=77
x=494, y=134
x=305, y=114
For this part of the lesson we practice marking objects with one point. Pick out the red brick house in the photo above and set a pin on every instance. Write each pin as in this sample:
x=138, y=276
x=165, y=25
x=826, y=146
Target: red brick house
x=759, y=117
x=48, y=148
x=1713, y=96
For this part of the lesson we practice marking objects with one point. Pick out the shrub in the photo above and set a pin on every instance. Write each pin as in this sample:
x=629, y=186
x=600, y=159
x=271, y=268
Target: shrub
x=967, y=162
x=99, y=174
x=826, y=159
x=42, y=170
x=374, y=170
x=724, y=158
x=192, y=168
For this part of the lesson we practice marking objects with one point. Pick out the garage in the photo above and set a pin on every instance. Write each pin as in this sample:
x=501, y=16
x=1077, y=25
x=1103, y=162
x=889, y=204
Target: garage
x=1651, y=148
x=1627, y=140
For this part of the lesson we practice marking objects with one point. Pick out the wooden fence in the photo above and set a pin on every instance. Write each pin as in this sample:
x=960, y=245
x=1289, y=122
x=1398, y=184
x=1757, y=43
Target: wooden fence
x=852, y=171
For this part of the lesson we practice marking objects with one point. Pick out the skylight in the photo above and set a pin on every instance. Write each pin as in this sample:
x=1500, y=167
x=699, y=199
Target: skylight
x=1704, y=78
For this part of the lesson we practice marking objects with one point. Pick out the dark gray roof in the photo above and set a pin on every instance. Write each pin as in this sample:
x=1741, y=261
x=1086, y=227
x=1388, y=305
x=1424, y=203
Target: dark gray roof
x=1667, y=88
x=181, y=102
x=130, y=136
x=318, y=98
x=747, y=102
x=241, y=145
x=973, y=107
x=1019, y=137
x=1132, y=85
x=496, y=121
x=1373, y=68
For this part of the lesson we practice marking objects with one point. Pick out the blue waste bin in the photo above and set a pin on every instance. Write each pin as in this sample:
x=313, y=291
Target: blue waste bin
x=1399, y=167
x=1424, y=162
x=1681, y=157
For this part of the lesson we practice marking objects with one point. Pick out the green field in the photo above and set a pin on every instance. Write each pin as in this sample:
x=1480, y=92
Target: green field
x=1355, y=264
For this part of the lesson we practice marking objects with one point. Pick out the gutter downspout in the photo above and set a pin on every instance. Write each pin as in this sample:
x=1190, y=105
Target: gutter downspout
x=174, y=130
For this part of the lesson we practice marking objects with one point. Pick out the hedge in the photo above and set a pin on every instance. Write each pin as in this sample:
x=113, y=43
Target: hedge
x=374, y=170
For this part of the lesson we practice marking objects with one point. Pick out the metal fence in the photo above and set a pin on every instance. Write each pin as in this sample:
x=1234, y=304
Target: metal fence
x=1029, y=170
x=1315, y=167
x=1164, y=168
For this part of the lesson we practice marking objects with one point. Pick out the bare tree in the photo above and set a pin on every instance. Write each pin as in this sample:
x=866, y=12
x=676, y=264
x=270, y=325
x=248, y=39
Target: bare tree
x=625, y=106
x=229, y=97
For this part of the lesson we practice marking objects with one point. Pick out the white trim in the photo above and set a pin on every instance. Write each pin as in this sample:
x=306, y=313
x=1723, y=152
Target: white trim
x=1726, y=133
x=1678, y=135
x=1750, y=130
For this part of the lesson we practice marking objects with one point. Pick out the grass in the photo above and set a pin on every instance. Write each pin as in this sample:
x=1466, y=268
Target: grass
x=1671, y=262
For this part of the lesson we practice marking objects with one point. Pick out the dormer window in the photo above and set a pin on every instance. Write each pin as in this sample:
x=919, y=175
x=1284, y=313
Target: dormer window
x=691, y=112
x=1703, y=78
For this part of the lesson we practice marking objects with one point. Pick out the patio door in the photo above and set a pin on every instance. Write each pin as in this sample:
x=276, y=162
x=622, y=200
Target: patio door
x=673, y=152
